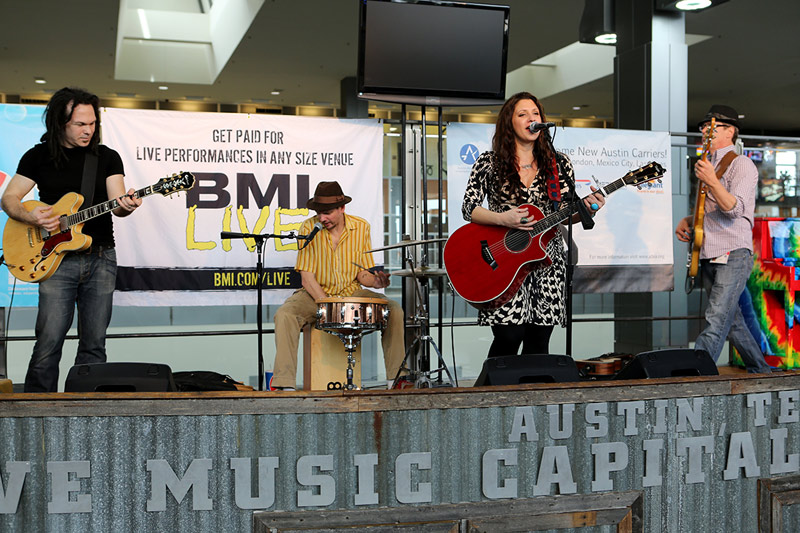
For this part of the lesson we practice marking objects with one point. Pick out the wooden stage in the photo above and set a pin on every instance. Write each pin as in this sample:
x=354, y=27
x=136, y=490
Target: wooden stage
x=715, y=453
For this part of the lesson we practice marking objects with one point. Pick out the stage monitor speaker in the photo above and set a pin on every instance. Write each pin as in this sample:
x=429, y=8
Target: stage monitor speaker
x=517, y=369
x=120, y=377
x=669, y=363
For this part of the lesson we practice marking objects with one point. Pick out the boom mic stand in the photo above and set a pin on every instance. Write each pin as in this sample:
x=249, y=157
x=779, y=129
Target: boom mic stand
x=260, y=238
x=587, y=222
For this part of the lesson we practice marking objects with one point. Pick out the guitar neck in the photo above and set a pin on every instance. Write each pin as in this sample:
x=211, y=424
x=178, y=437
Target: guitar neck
x=565, y=212
x=700, y=199
x=101, y=209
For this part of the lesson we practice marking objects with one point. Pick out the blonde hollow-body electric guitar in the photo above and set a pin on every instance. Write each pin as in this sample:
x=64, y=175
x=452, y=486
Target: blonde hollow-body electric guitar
x=33, y=254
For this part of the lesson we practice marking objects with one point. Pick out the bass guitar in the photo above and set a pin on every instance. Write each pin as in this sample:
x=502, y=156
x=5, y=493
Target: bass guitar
x=33, y=254
x=487, y=264
x=696, y=238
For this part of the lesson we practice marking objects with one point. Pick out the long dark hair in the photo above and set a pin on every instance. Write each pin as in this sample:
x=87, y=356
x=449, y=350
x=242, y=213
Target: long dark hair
x=505, y=148
x=59, y=112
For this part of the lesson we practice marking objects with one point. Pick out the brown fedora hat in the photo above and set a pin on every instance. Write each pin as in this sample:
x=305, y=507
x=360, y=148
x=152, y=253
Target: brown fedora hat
x=328, y=195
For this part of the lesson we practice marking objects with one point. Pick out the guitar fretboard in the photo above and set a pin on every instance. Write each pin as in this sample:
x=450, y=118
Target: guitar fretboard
x=565, y=212
x=106, y=207
x=646, y=173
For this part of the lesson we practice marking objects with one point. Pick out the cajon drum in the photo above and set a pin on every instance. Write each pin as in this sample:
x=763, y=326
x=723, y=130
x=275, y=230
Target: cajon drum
x=325, y=360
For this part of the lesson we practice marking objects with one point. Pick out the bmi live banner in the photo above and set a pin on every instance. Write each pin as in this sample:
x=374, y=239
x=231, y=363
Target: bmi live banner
x=253, y=174
x=634, y=231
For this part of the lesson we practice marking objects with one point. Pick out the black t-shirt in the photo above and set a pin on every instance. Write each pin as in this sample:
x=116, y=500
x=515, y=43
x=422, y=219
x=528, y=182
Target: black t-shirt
x=53, y=183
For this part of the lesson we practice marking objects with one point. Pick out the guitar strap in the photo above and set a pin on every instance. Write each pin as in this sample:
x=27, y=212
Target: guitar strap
x=725, y=163
x=553, y=186
x=89, y=178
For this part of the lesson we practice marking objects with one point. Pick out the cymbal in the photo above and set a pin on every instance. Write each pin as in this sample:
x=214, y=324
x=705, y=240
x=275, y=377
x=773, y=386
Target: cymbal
x=421, y=272
x=403, y=244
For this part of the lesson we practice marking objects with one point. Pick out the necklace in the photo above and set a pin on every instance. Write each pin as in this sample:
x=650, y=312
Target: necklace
x=526, y=166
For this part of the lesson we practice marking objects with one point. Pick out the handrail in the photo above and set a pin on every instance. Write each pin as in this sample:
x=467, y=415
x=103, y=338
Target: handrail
x=408, y=326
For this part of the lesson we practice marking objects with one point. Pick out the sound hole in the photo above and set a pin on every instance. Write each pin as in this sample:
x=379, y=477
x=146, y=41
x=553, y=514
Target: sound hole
x=517, y=240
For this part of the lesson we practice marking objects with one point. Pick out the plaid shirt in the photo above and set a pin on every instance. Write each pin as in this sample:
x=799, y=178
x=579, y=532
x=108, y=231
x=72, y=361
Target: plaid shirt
x=725, y=231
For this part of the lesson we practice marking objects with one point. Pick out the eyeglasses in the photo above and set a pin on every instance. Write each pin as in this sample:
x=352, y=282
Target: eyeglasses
x=718, y=125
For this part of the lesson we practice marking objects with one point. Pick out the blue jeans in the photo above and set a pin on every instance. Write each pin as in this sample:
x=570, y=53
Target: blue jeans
x=725, y=284
x=85, y=279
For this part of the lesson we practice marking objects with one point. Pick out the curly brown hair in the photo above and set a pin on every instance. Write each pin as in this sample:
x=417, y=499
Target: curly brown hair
x=504, y=146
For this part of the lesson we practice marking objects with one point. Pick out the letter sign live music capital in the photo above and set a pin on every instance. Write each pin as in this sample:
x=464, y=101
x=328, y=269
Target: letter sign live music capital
x=656, y=435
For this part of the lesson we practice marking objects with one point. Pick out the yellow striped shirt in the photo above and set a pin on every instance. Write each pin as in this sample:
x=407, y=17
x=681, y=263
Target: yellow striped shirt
x=334, y=268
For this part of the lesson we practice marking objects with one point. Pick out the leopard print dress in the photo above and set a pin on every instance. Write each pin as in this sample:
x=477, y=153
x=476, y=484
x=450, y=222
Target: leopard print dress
x=540, y=299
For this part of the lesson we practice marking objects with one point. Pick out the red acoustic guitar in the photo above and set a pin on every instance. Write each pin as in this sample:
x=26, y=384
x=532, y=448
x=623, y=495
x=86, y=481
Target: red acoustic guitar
x=487, y=264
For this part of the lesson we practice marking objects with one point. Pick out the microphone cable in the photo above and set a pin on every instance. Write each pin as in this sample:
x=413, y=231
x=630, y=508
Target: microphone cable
x=452, y=331
x=10, y=307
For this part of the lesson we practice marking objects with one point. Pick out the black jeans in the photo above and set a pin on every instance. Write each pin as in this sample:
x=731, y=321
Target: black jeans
x=535, y=339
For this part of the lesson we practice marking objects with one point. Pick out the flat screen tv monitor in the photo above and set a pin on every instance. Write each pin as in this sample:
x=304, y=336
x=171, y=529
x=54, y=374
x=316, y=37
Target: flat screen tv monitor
x=431, y=52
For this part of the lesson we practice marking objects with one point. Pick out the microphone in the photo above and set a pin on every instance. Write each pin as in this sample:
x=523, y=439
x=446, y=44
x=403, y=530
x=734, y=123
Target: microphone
x=539, y=126
x=314, y=231
x=232, y=235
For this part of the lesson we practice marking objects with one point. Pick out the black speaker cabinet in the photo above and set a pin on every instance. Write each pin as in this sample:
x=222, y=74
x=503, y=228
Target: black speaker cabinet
x=517, y=369
x=669, y=363
x=120, y=377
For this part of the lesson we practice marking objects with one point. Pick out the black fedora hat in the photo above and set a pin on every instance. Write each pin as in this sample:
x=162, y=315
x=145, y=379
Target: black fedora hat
x=723, y=113
x=328, y=195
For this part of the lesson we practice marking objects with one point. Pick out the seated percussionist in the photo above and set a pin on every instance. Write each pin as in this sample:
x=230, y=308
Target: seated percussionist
x=327, y=269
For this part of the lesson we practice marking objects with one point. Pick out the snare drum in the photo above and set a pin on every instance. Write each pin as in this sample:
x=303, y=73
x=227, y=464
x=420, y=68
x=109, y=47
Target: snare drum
x=351, y=314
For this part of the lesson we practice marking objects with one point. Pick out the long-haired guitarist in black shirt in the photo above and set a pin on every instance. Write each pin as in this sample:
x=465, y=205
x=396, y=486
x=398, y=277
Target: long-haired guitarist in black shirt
x=86, y=278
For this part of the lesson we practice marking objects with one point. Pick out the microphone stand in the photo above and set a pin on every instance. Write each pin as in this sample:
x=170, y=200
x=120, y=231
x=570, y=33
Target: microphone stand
x=260, y=238
x=587, y=222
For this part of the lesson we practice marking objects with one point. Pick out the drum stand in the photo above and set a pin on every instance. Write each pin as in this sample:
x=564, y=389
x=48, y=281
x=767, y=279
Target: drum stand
x=422, y=378
x=350, y=341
